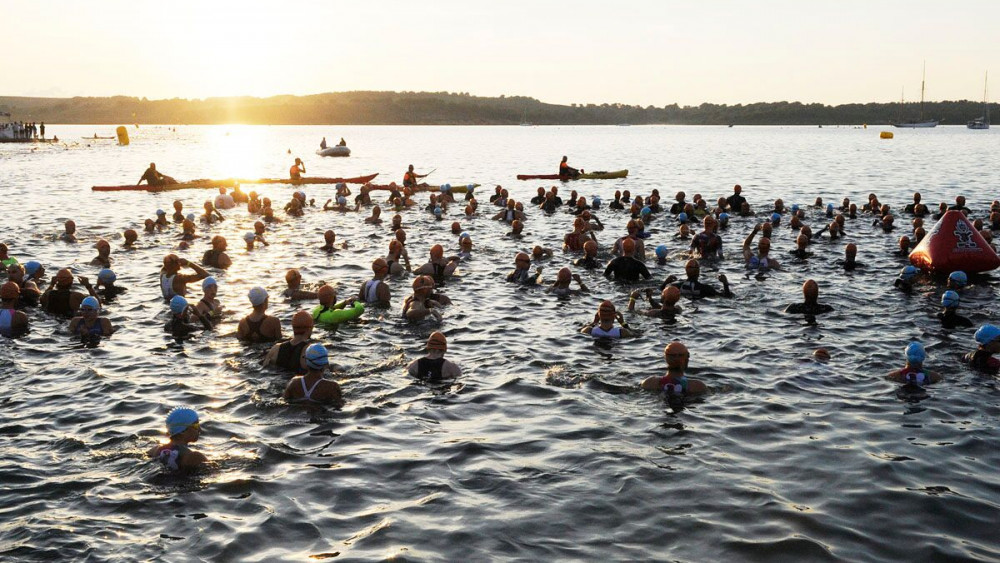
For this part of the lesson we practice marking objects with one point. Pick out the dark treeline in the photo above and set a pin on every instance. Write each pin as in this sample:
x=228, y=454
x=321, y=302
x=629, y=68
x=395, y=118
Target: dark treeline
x=442, y=108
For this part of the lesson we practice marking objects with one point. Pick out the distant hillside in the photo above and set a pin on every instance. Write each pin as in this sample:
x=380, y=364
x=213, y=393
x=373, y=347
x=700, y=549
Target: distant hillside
x=442, y=108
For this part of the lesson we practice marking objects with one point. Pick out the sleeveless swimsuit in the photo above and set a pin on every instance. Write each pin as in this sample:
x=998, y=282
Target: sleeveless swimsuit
x=290, y=356
x=167, y=286
x=170, y=455
x=7, y=322
x=430, y=369
x=598, y=332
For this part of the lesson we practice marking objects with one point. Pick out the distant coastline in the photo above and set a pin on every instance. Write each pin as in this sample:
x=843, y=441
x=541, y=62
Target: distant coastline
x=442, y=108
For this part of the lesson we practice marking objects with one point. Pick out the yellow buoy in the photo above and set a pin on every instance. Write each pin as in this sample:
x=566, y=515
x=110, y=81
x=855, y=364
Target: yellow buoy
x=885, y=135
x=122, y=135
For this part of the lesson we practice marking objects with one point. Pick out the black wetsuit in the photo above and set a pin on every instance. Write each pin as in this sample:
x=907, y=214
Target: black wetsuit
x=430, y=369
x=692, y=288
x=211, y=258
x=808, y=308
x=290, y=356
x=951, y=319
x=735, y=201
x=58, y=302
x=588, y=262
x=626, y=269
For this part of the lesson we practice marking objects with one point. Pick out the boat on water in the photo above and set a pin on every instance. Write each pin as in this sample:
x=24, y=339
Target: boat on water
x=229, y=182
x=984, y=121
x=337, y=150
x=919, y=123
x=599, y=175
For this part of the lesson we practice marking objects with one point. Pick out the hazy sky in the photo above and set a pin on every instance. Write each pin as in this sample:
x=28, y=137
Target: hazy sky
x=630, y=51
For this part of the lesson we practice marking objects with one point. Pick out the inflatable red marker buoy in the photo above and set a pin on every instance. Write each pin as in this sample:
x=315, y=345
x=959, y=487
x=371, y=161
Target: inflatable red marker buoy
x=954, y=244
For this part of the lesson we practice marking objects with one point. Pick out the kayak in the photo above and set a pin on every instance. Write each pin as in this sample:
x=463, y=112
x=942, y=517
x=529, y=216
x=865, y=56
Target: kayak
x=228, y=182
x=96, y=138
x=334, y=151
x=600, y=175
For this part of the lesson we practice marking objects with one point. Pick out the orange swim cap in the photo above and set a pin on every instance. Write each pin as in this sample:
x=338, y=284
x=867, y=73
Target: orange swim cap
x=292, y=274
x=379, y=265
x=302, y=319
x=437, y=251
x=423, y=282
x=9, y=290
x=326, y=293
x=628, y=247
x=437, y=341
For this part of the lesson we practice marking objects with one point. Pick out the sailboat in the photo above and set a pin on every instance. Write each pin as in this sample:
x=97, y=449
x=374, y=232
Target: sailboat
x=921, y=123
x=984, y=121
x=524, y=120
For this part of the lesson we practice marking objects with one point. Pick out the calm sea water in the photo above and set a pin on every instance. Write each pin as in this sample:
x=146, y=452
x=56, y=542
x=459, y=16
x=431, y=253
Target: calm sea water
x=542, y=451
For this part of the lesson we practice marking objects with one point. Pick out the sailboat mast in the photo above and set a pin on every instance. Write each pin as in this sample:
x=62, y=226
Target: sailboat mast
x=986, y=103
x=923, y=80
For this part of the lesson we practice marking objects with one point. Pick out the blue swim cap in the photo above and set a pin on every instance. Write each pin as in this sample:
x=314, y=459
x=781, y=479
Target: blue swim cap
x=776, y=217
x=915, y=353
x=257, y=296
x=596, y=202
x=191, y=217
x=682, y=217
x=661, y=251
x=445, y=188
x=341, y=200
x=959, y=278
x=829, y=207
x=437, y=210
x=107, y=275
x=32, y=266
x=90, y=302
x=160, y=212
x=316, y=356
x=463, y=235
x=795, y=207
x=209, y=281
x=180, y=419
x=949, y=299
x=178, y=304
x=470, y=187
x=646, y=211
x=908, y=273
x=723, y=216
x=341, y=185
x=987, y=334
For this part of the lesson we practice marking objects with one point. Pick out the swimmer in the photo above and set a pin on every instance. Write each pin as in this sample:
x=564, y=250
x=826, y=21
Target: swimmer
x=209, y=307
x=12, y=322
x=149, y=226
x=258, y=326
x=801, y=251
x=674, y=384
x=174, y=283
x=290, y=354
x=916, y=201
x=364, y=197
x=849, y=262
x=574, y=241
x=130, y=237
x=297, y=170
x=538, y=199
x=988, y=338
x=906, y=279
x=28, y=290
x=683, y=232
x=957, y=280
x=679, y=204
x=589, y=260
x=616, y=203
x=396, y=253
x=294, y=290
x=341, y=205
x=465, y=249
x=183, y=428
x=539, y=253
x=736, y=200
x=216, y=257
x=625, y=268
x=294, y=208
x=421, y=304
x=103, y=257
x=903, y=246
x=707, y=244
x=375, y=218
x=603, y=325
x=178, y=211
x=161, y=219
x=376, y=292
x=59, y=298
x=182, y=316
x=810, y=304
x=633, y=231
x=561, y=285
x=106, y=287
x=88, y=326
x=522, y=271
x=5, y=259
x=591, y=222
x=69, y=235
x=948, y=315
x=251, y=238
x=224, y=200
x=761, y=262
x=434, y=366
x=312, y=388
x=960, y=205
x=666, y=309
x=692, y=288
x=516, y=229
x=913, y=372
x=437, y=267
x=550, y=204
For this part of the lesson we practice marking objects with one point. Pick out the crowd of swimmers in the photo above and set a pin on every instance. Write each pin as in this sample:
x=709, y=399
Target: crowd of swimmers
x=700, y=228
x=22, y=130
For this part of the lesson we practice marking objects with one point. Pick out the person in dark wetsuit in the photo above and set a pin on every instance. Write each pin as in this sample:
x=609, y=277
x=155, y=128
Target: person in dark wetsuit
x=438, y=267
x=258, y=326
x=736, y=200
x=290, y=354
x=181, y=318
x=849, y=263
x=811, y=305
x=434, y=366
x=911, y=207
x=312, y=388
x=59, y=298
x=208, y=306
x=216, y=257
x=948, y=315
x=988, y=337
x=692, y=288
x=906, y=278
x=154, y=178
x=589, y=260
x=567, y=171
x=184, y=428
x=625, y=268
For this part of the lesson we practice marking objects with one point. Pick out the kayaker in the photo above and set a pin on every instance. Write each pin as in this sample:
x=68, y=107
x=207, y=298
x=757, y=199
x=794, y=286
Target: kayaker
x=297, y=169
x=342, y=143
x=566, y=170
x=410, y=177
x=322, y=144
x=154, y=178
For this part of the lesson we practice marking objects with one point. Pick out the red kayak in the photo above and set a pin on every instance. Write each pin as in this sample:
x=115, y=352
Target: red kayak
x=616, y=174
x=228, y=182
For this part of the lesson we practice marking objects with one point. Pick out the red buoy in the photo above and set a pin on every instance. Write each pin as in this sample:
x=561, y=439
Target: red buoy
x=954, y=244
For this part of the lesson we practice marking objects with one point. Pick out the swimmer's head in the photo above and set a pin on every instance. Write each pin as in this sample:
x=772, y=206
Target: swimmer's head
x=178, y=304
x=10, y=290
x=908, y=273
x=661, y=251
x=676, y=354
x=437, y=341
x=775, y=218
x=987, y=334
x=682, y=217
x=302, y=322
x=723, y=219
x=64, y=278
x=764, y=245
x=31, y=267
x=423, y=283
x=670, y=295
x=915, y=353
x=821, y=354
x=90, y=303
x=329, y=236
x=208, y=282
x=851, y=250
x=466, y=243
x=380, y=266
x=456, y=228
x=958, y=278
x=810, y=290
x=517, y=226
x=437, y=252
x=180, y=419
x=590, y=248
x=131, y=236
x=395, y=246
x=249, y=237
x=106, y=276
x=326, y=294
x=564, y=275
x=950, y=299
x=292, y=276
x=628, y=247
x=537, y=252
x=692, y=268
x=522, y=260
x=257, y=296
